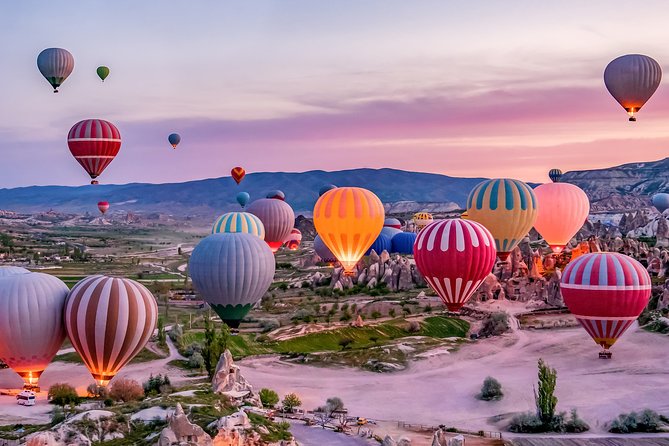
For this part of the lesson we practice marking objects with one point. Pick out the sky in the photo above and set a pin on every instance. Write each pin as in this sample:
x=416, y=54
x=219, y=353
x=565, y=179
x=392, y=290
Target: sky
x=478, y=89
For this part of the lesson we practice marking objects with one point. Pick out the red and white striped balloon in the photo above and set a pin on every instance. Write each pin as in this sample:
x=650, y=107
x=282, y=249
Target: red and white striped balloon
x=607, y=292
x=455, y=256
x=94, y=143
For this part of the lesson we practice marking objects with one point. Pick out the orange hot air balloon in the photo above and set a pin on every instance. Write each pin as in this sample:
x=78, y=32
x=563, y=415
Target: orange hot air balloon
x=348, y=220
x=237, y=174
x=563, y=208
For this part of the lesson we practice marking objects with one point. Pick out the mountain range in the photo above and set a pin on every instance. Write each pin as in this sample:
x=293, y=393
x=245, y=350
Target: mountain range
x=624, y=187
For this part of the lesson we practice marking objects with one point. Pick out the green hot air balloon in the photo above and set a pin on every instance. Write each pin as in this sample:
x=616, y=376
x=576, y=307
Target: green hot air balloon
x=103, y=72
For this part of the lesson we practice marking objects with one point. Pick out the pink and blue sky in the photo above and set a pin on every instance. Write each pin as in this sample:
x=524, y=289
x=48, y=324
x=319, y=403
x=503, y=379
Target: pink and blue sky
x=484, y=88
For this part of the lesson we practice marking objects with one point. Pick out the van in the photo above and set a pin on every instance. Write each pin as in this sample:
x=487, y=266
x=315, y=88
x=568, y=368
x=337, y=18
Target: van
x=26, y=398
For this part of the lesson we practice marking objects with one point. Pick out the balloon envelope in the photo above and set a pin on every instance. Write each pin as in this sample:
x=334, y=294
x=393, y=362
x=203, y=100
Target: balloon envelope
x=94, y=143
x=55, y=64
x=562, y=210
x=455, y=256
x=403, y=242
x=31, y=321
x=326, y=188
x=294, y=239
x=382, y=243
x=323, y=251
x=555, y=175
x=632, y=79
x=238, y=174
x=507, y=208
x=243, y=198
x=103, y=72
x=103, y=206
x=277, y=194
x=277, y=217
x=348, y=219
x=174, y=139
x=392, y=223
x=422, y=219
x=607, y=292
x=661, y=201
x=390, y=232
x=109, y=320
x=244, y=222
x=232, y=272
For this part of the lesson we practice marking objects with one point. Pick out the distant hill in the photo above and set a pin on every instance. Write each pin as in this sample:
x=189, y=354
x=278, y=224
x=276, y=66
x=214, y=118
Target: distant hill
x=212, y=196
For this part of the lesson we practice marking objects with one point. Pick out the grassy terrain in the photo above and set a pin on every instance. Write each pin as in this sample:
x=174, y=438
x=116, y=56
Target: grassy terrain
x=143, y=356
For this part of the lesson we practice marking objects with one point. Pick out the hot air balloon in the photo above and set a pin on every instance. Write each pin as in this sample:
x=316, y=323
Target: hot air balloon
x=607, y=292
x=103, y=207
x=243, y=198
x=455, y=256
x=239, y=222
x=279, y=195
x=103, y=72
x=294, y=239
x=323, y=251
x=507, y=208
x=238, y=174
x=632, y=79
x=278, y=218
x=94, y=143
x=661, y=201
x=55, y=64
x=382, y=243
x=464, y=215
x=109, y=320
x=403, y=242
x=422, y=219
x=232, y=272
x=348, y=219
x=390, y=232
x=555, y=175
x=174, y=139
x=562, y=210
x=31, y=321
x=326, y=188
x=392, y=223
x=11, y=270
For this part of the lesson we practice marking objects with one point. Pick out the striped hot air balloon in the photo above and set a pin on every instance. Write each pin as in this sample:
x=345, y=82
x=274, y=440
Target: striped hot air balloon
x=555, y=175
x=607, y=292
x=563, y=208
x=507, y=208
x=422, y=219
x=348, y=219
x=55, y=64
x=31, y=321
x=454, y=256
x=109, y=320
x=278, y=218
x=94, y=143
x=239, y=222
x=392, y=223
x=294, y=239
x=632, y=79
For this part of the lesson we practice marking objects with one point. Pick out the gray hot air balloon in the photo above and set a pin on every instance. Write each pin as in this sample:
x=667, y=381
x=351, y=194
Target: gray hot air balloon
x=55, y=64
x=661, y=201
x=31, y=321
x=277, y=217
x=323, y=251
x=232, y=271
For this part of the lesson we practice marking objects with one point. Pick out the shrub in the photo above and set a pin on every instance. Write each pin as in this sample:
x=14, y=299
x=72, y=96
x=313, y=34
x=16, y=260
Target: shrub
x=575, y=424
x=268, y=397
x=375, y=314
x=346, y=316
x=427, y=308
x=268, y=325
x=196, y=361
x=645, y=421
x=291, y=402
x=491, y=390
x=126, y=390
x=345, y=342
x=527, y=422
x=62, y=394
x=156, y=384
x=495, y=324
x=391, y=312
x=413, y=327
x=96, y=391
x=176, y=333
x=192, y=349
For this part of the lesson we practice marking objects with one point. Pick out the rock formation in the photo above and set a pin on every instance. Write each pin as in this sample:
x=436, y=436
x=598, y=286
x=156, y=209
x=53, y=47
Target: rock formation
x=180, y=431
x=228, y=380
x=389, y=441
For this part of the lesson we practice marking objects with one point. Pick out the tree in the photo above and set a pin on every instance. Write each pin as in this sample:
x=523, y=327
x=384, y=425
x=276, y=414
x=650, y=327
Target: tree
x=62, y=394
x=345, y=342
x=126, y=390
x=269, y=398
x=97, y=391
x=215, y=344
x=325, y=414
x=491, y=389
x=545, y=398
x=162, y=336
x=291, y=402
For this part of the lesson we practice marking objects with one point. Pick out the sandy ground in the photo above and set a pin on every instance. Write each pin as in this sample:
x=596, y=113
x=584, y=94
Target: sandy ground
x=442, y=389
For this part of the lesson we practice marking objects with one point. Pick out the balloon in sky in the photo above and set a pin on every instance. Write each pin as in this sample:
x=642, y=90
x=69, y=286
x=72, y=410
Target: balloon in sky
x=103, y=206
x=392, y=223
x=103, y=72
x=174, y=139
x=632, y=79
x=294, y=239
x=348, y=219
x=326, y=188
x=31, y=321
x=455, y=256
x=232, y=272
x=661, y=201
x=243, y=198
x=94, y=143
x=323, y=251
x=382, y=243
x=555, y=175
x=403, y=242
x=278, y=194
x=563, y=208
x=109, y=320
x=239, y=222
x=607, y=292
x=507, y=208
x=278, y=218
x=55, y=64
x=422, y=219
x=238, y=174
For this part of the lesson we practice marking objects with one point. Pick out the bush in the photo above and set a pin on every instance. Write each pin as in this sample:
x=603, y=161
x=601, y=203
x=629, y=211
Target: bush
x=62, y=394
x=345, y=342
x=528, y=423
x=269, y=398
x=176, y=333
x=575, y=424
x=108, y=402
x=196, y=361
x=491, y=390
x=495, y=324
x=97, y=391
x=627, y=423
x=157, y=384
x=126, y=390
x=413, y=327
x=291, y=402
x=192, y=349
x=375, y=314
x=268, y=325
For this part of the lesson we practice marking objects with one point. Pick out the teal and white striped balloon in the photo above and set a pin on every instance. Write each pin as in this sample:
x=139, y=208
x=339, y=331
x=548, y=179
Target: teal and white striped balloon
x=239, y=222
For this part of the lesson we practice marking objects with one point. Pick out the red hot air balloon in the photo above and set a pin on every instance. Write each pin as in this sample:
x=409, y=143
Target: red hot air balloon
x=103, y=207
x=455, y=256
x=607, y=292
x=237, y=174
x=94, y=143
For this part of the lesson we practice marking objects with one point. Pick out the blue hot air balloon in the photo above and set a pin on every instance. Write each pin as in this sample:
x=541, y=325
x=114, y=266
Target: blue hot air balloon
x=174, y=139
x=243, y=198
x=661, y=201
x=239, y=222
x=382, y=243
x=402, y=243
x=55, y=64
x=390, y=231
x=232, y=272
x=326, y=188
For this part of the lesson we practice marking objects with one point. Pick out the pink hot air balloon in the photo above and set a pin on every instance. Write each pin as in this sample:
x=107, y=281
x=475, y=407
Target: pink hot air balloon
x=294, y=239
x=607, y=292
x=563, y=208
x=455, y=256
x=277, y=217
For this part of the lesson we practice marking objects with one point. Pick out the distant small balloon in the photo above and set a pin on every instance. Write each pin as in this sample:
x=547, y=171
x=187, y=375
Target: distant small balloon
x=103, y=72
x=103, y=207
x=243, y=198
x=174, y=139
x=326, y=188
x=661, y=201
x=555, y=175
x=632, y=79
x=55, y=64
x=276, y=194
x=238, y=174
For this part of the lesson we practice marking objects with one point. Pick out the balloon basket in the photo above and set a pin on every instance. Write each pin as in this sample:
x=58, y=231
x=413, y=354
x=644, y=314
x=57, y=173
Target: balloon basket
x=32, y=387
x=605, y=354
x=632, y=119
